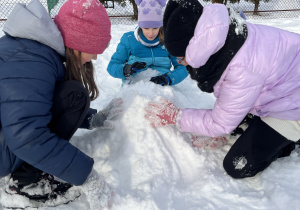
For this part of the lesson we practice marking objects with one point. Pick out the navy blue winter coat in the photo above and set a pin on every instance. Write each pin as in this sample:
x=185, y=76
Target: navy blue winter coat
x=29, y=71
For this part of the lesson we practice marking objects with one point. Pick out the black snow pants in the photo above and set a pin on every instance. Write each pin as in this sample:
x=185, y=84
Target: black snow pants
x=255, y=150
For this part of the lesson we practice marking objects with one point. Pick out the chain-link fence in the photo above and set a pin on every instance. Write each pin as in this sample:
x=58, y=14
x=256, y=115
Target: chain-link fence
x=259, y=9
x=125, y=11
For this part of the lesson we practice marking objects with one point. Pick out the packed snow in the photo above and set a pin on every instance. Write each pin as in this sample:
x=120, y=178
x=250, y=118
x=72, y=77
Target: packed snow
x=158, y=168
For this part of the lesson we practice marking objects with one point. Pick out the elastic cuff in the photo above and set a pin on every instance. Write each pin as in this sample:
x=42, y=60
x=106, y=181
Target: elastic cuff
x=169, y=80
x=87, y=120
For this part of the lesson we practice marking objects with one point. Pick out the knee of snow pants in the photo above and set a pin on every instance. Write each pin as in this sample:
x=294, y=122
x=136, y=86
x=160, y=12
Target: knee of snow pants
x=71, y=104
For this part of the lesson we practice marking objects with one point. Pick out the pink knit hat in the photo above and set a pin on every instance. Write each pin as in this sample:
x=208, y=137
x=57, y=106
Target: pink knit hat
x=84, y=25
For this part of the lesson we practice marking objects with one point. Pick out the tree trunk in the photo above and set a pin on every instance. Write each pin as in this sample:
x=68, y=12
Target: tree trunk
x=135, y=9
x=255, y=12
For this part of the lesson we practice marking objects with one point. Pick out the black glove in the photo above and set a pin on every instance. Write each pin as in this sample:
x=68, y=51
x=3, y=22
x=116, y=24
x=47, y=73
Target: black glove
x=161, y=80
x=130, y=69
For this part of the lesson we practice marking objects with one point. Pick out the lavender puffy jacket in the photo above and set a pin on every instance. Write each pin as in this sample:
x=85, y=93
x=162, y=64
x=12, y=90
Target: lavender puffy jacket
x=263, y=78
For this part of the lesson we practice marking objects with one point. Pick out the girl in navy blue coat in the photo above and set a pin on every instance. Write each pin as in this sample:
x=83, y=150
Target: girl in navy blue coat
x=142, y=49
x=43, y=101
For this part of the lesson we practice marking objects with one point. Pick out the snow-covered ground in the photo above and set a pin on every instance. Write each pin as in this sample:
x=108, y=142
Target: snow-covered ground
x=151, y=169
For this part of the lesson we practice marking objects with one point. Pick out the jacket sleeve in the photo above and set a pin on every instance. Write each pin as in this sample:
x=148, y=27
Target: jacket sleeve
x=179, y=73
x=26, y=91
x=119, y=59
x=238, y=93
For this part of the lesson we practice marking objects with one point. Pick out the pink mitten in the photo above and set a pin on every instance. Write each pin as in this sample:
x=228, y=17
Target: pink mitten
x=208, y=142
x=161, y=113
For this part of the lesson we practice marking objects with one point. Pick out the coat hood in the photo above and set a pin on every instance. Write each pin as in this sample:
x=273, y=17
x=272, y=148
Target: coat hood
x=33, y=22
x=209, y=36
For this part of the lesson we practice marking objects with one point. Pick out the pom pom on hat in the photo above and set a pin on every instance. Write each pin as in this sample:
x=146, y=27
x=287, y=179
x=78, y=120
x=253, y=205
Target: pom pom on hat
x=150, y=13
x=84, y=25
x=179, y=23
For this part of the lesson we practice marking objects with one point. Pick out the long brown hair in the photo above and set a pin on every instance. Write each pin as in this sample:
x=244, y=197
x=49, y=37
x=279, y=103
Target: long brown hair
x=161, y=36
x=83, y=73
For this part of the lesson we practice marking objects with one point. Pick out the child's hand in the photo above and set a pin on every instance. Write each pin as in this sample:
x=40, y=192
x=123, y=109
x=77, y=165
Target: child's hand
x=130, y=69
x=161, y=113
x=209, y=142
x=161, y=80
x=102, y=119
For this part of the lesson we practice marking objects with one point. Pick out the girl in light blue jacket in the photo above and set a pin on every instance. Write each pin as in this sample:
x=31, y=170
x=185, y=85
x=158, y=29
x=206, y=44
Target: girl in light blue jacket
x=142, y=49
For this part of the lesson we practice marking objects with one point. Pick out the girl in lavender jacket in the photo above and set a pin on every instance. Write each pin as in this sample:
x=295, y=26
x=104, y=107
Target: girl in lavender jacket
x=249, y=68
